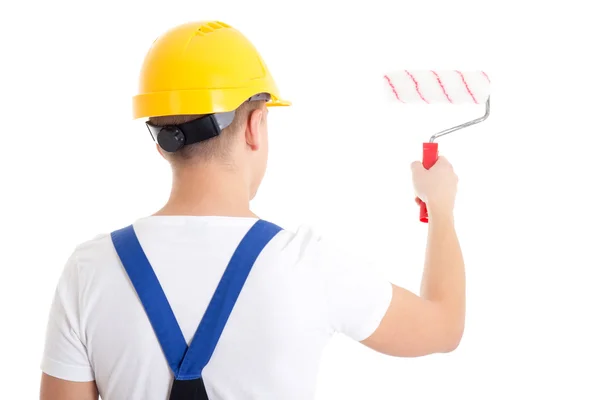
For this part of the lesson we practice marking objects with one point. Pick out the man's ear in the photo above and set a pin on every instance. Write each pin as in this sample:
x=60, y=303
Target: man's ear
x=253, y=128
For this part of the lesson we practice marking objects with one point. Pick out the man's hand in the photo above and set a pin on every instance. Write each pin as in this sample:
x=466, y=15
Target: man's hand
x=436, y=186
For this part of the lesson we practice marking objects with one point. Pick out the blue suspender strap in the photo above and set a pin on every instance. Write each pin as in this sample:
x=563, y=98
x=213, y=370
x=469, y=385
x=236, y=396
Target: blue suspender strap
x=151, y=295
x=188, y=364
x=209, y=331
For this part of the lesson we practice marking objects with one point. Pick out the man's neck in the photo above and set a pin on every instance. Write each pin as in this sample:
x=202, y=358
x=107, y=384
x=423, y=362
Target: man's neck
x=208, y=191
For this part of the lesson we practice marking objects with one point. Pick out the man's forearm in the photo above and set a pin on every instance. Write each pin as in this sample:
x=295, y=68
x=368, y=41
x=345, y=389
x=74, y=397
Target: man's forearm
x=444, y=274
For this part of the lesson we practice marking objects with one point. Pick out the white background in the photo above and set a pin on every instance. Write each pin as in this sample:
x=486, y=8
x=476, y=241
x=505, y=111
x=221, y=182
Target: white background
x=74, y=164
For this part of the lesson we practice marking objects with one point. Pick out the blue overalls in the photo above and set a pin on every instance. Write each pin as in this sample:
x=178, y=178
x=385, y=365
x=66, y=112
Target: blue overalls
x=186, y=363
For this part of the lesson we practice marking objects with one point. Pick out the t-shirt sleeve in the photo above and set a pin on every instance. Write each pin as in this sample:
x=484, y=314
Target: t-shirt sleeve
x=65, y=356
x=356, y=295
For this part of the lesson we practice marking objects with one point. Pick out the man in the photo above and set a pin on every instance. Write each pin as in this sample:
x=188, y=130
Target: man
x=203, y=299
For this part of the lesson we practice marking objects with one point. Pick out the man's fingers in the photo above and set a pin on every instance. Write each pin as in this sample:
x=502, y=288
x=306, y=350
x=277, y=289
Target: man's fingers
x=417, y=166
x=444, y=161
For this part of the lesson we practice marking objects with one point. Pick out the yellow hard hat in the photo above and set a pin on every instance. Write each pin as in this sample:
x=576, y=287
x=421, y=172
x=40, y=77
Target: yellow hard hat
x=202, y=67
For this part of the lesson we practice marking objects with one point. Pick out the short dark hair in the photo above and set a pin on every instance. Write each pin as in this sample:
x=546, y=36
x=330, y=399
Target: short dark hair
x=218, y=147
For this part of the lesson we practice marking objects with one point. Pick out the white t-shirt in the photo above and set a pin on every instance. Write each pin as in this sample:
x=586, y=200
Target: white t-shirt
x=299, y=292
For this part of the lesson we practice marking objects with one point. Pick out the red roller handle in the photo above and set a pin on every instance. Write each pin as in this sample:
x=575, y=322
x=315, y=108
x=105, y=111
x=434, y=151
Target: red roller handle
x=430, y=156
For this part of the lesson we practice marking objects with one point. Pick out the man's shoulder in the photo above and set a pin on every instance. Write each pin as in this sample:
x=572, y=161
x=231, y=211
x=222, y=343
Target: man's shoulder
x=300, y=234
x=95, y=242
x=98, y=250
x=305, y=243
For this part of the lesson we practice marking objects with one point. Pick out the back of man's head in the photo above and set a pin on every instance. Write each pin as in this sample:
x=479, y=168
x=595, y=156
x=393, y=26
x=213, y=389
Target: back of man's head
x=222, y=148
x=186, y=76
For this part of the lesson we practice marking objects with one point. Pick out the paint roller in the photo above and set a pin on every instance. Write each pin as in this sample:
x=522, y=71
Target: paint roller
x=435, y=87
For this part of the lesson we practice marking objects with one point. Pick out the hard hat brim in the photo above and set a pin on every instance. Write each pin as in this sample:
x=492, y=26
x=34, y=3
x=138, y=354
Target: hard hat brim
x=196, y=102
x=279, y=103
